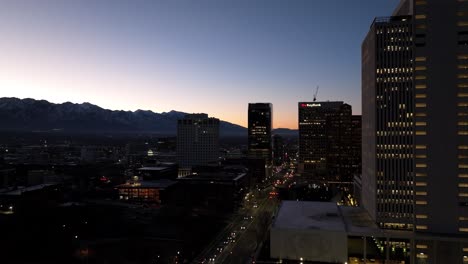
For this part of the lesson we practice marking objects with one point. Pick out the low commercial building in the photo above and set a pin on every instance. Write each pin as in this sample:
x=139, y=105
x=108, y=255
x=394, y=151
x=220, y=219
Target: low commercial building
x=145, y=191
x=209, y=193
x=27, y=200
x=327, y=233
x=162, y=170
x=309, y=231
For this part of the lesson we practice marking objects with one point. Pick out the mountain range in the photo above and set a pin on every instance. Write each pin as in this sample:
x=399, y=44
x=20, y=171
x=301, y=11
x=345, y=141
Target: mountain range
x=40, y=115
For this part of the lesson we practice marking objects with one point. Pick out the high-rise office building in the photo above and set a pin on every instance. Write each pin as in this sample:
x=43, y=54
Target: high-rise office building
x=415, y=126
x=388, y=137
x=278, y=150
x=259, y=131
x=350, y=164
x=197, y=140
x=324, y=140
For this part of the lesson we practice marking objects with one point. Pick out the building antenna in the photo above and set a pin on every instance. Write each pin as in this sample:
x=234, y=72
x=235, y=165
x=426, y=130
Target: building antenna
x=315, y=94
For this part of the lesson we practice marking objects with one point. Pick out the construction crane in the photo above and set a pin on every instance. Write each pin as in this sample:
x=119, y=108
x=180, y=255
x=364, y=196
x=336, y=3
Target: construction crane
x=315, y=94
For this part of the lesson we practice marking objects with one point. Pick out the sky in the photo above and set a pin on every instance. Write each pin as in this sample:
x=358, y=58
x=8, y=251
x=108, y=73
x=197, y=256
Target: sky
x=210, y=56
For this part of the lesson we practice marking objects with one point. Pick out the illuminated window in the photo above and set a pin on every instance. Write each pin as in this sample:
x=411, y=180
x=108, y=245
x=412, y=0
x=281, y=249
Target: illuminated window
x=463, y=218
x=421, y=133
x=419, y=245
x=421, y=2
x=462, y=23
x=422, y=123
x=462, y=95
x=421, y=146
x=421, y=68
x=421, y=165
x=463, y=147
x=421, y=114
x=462, y=76
x=462, y=175
x=460, y=14
x=420, y=105
x=463, y=229
x=421, y=26
x=420, y=86
x=463, y=194
x=463, y=85
x=463, y=185
x=421, y=193
x=421, y=156
x=421, y=184
x=422, y=16
x=421, y=202
x=421, y=77
x=424, y=96
x=463, y=104
x=421, y=227
x=463, y=66
x=420, y=59
x=462, y=133
x=463, y=123
x=463, y=57
x=420, y=174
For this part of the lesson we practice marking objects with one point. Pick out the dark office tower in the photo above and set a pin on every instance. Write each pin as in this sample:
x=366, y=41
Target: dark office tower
x=415, y=125
x=355, y=147
x=324, y=140
x=278, y=150
x=260, y=124
x=387, y=122
x=197, y=140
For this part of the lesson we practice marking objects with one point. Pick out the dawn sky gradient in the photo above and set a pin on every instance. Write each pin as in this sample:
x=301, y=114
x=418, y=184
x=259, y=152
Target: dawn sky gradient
x=211, y=56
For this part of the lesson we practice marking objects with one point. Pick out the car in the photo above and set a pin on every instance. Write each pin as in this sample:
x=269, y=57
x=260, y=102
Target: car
x=242, y=227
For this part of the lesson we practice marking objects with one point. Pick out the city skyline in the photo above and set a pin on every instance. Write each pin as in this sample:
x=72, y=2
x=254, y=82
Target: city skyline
x=149, y=134
x=208, y=56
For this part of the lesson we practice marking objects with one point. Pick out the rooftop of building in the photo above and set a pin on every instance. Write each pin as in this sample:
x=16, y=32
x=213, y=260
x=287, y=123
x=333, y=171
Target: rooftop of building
x=198, y=116
x=309, y=215
x=153, y=168
x=389, y=19
x=20, y=190
x=221, y=176
x=325, y=216
x=157, y=184
x=260, y=105
x=354, y=221
x=404, y=8
x=322, y=104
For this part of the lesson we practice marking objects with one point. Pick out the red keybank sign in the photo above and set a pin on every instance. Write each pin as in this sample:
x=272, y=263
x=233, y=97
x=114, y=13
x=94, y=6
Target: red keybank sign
x=311, y=105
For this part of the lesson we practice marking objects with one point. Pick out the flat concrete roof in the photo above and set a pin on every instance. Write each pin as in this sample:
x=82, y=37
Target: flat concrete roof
x=159, y=184
x=214, y=176
x=21, y=190
x=358, y=221
x=353, y=221
x=327, y=216
x=156, y=168
x=310, y=215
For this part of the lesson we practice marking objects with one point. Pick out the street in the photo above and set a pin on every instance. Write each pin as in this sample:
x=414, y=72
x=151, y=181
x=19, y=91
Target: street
x=241, y=238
